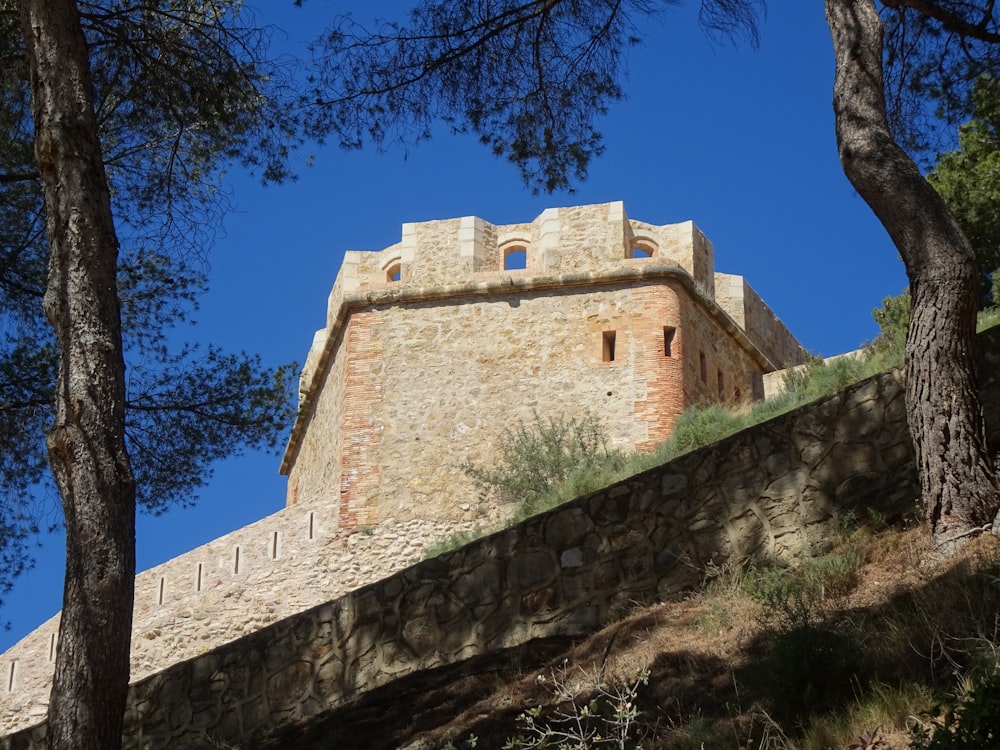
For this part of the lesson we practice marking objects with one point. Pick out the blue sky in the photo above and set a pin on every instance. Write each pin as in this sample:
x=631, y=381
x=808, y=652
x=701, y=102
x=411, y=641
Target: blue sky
x=740, y=141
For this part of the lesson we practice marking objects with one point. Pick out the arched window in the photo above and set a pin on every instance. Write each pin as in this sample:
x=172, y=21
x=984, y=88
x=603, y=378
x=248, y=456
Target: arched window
x=393, y=270
x=642, y=247
x=515, y=257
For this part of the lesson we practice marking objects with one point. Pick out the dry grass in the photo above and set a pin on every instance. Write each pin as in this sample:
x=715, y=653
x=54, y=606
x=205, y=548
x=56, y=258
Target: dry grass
x=866, y=663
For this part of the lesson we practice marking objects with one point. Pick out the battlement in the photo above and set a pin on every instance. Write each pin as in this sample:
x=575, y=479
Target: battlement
x=582, y=239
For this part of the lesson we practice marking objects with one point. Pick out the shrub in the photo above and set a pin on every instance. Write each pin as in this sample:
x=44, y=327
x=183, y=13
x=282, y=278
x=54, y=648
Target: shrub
x=972, y=724
x=701, y=426
x=893, y=318
x=534, y=459
x=605, y=717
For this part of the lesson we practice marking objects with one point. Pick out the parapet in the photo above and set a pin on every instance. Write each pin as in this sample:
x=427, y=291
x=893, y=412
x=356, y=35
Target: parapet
x=559, y=241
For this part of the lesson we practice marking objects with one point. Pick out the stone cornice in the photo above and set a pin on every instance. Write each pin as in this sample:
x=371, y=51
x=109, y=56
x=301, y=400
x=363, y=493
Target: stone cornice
x=498, y=287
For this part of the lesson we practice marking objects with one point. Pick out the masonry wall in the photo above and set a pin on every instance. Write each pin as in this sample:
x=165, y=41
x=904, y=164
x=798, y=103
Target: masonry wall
x=441, y=361
x=219, y=592
x=446, y=378
x=752, y=314
x=775, y=491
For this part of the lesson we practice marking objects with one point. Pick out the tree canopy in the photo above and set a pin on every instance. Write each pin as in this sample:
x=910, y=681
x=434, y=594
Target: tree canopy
x=968, y=178
x=529, y=77
x=183, y=89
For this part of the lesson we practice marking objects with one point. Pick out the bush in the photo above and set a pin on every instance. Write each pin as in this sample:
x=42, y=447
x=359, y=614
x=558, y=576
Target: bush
x=893, y=318
x=972, y=724
x=604, y=716
x=701, y=426
x=534, y=460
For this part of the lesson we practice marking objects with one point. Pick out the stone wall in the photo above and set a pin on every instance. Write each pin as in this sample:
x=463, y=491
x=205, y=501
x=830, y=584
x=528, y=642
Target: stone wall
x=415, y=388
x=237, y=584
x=750, y=313
x=414, y=377
x=774, y=491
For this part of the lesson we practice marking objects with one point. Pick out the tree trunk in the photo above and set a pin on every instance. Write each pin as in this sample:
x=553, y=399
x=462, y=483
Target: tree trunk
x=957, y=476
x=86, y=444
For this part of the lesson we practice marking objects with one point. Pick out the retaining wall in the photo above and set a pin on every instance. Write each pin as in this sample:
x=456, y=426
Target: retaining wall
x=774, y=491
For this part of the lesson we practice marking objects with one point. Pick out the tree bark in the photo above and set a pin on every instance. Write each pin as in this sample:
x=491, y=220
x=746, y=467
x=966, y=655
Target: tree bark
x=957, y=475
x=86, y=443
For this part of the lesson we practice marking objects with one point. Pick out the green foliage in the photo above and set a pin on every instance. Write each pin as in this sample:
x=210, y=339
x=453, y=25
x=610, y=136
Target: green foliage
x=795, y=594
x=535, y=460
x=174, y=112
x=988, y=318
x=822, y=378
x=969, y=181
x=972, y=723
x=893, y=318
x=696, y=428
x=453, y=541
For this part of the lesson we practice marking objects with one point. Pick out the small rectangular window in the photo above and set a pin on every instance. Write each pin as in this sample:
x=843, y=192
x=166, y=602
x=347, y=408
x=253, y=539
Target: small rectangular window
x=703, y=366
x=722, y=386
x=608, y=346
x=668, y=340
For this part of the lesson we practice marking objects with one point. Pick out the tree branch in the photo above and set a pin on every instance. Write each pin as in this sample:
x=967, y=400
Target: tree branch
x=951, y=21
x=9, y=178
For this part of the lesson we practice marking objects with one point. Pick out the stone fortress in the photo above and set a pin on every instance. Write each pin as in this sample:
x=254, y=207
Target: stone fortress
x=432, y=348
x=437, y=344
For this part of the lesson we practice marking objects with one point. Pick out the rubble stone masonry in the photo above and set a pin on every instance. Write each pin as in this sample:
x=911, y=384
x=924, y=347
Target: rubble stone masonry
x=776, y=490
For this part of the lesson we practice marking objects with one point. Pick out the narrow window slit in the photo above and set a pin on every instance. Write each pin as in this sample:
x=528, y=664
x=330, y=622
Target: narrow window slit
x=312, y=524
x=52, y=646
x=236, y=562
x=274, y=546
x=668, y=340
x=608, y=346
x=197, y=586
x=10, y=680
x=159, y=599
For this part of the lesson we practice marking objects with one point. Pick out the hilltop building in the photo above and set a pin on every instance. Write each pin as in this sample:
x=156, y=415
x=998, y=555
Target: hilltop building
x=434, y=345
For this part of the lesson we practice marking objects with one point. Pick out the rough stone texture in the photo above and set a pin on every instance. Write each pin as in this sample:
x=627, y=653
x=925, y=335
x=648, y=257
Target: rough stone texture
x=235, y=585
x=773, y=491
x=413, y=377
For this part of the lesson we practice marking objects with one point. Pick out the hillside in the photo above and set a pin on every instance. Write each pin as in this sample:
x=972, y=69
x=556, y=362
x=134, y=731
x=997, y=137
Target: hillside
x=869, y=638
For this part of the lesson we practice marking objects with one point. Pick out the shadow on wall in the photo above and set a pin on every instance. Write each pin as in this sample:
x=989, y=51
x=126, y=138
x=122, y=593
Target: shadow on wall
x=775, y=491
